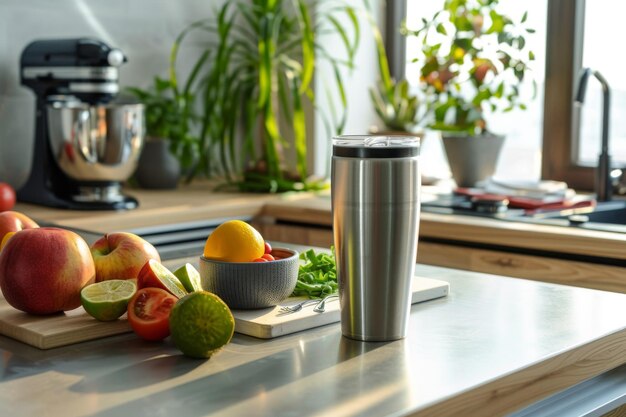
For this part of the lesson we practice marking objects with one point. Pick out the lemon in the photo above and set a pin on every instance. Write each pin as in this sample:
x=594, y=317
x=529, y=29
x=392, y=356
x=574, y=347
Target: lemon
x=107, y=300
x=234, y=241
x=201, y=324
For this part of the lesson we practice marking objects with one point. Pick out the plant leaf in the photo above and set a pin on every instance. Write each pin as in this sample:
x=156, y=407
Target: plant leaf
x=299, y=129
x=344, y=36
x=308, y=46
x=196, y=70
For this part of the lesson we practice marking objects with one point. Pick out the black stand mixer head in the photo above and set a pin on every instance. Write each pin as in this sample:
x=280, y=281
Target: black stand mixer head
x=85, y=144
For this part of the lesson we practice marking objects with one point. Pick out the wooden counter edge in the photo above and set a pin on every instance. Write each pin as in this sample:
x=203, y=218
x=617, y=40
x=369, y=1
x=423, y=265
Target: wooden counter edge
x=306, y=215
x=528, y=385
x=523, y=235
x=472, y=229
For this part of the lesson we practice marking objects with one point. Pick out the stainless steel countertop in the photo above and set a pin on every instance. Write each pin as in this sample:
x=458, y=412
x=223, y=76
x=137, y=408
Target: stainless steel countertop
x=487, y=329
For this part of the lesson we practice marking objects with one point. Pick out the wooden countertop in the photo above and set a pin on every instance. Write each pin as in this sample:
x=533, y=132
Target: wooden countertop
x=478, y=230
x=194, y=202
x=198, y=202
x=492, y=346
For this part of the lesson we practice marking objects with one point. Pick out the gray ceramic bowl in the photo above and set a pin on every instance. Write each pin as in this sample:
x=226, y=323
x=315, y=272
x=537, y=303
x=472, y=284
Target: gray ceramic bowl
x=247, y=285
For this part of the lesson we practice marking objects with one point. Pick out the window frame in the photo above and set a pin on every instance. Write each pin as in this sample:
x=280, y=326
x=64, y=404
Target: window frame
x=561, y=125
x=395, y=43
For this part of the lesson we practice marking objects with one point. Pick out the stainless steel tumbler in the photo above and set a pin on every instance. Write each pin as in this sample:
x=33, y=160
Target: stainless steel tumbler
x=376, y=204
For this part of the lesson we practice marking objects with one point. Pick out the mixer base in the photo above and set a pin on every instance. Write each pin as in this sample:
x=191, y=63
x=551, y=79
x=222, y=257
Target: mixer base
x=87, y=198
x=127, y=203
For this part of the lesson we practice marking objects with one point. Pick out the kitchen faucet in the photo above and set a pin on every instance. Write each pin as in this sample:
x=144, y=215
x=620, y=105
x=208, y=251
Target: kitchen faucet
x=603, y=171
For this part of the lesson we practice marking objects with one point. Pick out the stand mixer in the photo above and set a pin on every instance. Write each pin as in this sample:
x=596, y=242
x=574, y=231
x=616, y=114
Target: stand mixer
x=86, y=143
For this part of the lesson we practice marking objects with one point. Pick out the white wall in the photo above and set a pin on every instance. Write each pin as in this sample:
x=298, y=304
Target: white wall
x=143, y=29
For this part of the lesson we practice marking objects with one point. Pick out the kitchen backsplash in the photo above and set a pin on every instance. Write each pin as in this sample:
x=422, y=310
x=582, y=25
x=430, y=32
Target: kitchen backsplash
x=144, y=30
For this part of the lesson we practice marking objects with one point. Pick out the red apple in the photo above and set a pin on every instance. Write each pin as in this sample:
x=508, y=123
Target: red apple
x=154, y=274
x=121, y=255
x=7, y=197
x=14, y=221
x=42, y=270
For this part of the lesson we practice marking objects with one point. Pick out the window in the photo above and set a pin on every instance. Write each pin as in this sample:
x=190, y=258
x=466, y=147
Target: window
x=582, y=34
x=521, y=154
x=601, y=54
x=571, y=34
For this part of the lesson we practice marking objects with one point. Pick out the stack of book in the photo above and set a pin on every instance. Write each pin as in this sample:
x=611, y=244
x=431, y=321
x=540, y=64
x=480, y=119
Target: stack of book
x=532, y=196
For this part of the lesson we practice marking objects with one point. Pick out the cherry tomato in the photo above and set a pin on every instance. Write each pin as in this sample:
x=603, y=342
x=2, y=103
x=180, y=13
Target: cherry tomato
x=268, y=248
x=268, y=257
x=149, y=313
x=7, y=196
x=260, y=260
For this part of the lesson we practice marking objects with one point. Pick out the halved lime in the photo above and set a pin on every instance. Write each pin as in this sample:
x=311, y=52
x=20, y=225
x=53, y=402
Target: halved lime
x=107, y=300
x=189, y=277
x=200, y=324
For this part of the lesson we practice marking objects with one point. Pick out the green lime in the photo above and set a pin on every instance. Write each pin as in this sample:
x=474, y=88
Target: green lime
x=200, y=324
x=107, y=300
x=189, y=277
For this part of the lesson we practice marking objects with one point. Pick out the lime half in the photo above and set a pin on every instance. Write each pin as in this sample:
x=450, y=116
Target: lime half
x=189, y=277
x=200, y=324
x=107, y=300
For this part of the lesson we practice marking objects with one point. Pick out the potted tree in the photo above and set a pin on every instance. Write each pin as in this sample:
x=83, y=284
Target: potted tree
x=472, y=64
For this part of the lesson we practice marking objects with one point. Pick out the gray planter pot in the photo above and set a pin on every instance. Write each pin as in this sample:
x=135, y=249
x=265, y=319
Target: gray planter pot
x=472, y=158
x=157, y=167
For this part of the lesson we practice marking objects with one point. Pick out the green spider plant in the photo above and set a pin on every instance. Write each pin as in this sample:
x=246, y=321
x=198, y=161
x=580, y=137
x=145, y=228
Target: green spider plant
x=258, y=70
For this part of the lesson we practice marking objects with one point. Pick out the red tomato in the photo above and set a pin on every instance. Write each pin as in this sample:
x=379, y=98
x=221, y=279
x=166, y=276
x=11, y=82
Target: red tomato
x=149, y=313
x=7, y=197
x=268, y=248
x=268, y=257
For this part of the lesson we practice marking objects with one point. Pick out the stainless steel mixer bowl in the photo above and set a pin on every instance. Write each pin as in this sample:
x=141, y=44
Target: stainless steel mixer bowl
x=96, y=142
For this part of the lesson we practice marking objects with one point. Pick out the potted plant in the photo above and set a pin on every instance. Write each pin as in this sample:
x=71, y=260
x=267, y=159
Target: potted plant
x=170, y=145
x=396, y=107
x=473, y=62
x=399, y=110
x=257, y=84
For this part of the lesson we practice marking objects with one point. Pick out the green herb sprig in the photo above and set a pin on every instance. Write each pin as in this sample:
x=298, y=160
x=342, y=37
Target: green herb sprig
x=317, y=278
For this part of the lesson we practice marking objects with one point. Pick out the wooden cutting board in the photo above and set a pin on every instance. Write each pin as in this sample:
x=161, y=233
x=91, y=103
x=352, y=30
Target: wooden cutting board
x=61, y=329
x=46, y=332
x=270, y=322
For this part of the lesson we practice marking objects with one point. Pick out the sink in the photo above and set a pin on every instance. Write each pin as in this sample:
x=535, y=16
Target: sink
x=606, y=216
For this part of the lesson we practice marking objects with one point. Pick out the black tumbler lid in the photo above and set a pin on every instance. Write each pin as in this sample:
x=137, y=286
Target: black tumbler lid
x=363, y=146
